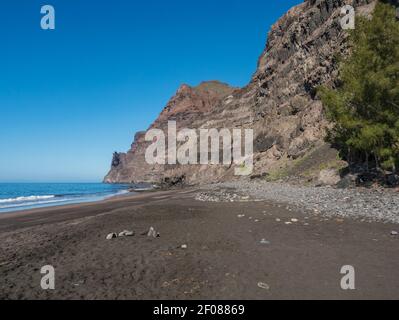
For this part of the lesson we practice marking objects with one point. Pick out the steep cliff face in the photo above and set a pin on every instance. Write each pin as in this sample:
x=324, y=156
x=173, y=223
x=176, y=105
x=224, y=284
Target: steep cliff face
x=279, y=103
x=190, y=104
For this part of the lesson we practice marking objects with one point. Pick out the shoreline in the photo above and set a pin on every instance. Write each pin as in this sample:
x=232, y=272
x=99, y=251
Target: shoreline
x=217, y=250
x=84, y=199
x=80, y=206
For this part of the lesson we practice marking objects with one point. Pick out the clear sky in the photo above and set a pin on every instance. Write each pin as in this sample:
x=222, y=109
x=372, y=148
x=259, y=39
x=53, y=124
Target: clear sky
x=71, y=96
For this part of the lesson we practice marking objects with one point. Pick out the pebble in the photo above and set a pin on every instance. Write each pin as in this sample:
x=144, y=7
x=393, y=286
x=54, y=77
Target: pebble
x=152, y=233
x=111, y=236
x=264, y=241
x=294, y=220
x=126, y=233
x=394, y=233
x=184, y=246
x=278, y=220
x=364, y=204
x=218, y=196
x=263, y=285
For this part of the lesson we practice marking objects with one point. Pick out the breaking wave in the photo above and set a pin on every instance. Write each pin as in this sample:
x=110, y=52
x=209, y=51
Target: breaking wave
x=25, y=199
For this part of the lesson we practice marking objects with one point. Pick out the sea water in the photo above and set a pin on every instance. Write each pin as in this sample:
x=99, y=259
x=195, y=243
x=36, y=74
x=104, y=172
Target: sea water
x=23, y=196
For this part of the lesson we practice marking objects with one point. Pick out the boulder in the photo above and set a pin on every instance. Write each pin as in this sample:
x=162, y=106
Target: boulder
x=348, y=181
x=393, y=180
x=329, y=177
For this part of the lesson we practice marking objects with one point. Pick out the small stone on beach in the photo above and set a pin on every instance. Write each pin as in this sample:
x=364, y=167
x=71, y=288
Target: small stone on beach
x=111, y=236
x=394, y=233
x=152, y=233
x=263, y=285
x=126, y=233
x=184, y=246
x=264, y=241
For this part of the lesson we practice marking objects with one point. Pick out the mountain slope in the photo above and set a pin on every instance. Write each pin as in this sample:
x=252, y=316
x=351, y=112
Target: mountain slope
x=279, y=103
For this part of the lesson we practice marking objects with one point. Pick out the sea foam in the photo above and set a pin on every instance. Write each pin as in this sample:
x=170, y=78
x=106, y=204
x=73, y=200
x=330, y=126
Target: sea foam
x=24, y=199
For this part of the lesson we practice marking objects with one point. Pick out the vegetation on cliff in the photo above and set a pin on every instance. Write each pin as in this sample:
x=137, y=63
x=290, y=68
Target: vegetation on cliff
x=364, y=107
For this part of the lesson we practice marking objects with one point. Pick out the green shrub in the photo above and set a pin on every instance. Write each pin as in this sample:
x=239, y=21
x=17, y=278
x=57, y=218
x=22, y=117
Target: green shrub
x=364, y=107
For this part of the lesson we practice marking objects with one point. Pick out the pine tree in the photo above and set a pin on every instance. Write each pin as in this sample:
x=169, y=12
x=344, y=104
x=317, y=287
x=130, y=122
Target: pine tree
x=364, y=108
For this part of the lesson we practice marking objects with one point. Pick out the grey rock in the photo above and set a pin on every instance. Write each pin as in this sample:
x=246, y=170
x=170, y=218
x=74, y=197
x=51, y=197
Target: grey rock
x=393, y=180
x=111, y=236
x=126, y=233
x=152, y=233
x=116, y=160
x=263, y=285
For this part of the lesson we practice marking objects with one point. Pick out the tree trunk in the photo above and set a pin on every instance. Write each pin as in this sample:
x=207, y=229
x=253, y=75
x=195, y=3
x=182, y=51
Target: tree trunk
x=377, y=165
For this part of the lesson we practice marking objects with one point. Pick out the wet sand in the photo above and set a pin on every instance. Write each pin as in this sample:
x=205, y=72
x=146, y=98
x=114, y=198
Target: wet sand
x=224, y=258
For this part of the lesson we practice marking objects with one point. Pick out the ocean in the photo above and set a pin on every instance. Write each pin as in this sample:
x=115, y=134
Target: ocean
x=23, y=196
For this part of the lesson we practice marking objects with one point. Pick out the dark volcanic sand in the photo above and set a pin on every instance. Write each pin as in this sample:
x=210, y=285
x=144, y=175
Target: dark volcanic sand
x=224, y=258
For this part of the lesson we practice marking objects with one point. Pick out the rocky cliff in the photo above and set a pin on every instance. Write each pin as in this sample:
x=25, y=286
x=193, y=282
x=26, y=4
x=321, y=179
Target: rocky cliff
x=279, y=103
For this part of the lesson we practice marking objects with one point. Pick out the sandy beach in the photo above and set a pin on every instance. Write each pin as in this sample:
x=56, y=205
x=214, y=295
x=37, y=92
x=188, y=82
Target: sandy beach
x=231, y=250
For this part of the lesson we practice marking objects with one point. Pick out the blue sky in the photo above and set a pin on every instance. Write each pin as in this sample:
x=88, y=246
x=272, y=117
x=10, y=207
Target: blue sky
x=71, y=96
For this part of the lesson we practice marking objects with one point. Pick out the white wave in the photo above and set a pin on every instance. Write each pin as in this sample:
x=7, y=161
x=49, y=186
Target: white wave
x=31, y=204
x=22, y=203
x=119, y=193
x=24, y=199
